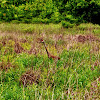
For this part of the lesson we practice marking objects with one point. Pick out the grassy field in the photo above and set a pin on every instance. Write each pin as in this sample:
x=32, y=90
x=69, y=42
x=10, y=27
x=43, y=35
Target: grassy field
x=26, y=72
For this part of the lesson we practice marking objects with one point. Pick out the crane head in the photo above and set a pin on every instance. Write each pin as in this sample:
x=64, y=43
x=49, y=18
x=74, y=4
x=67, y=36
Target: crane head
x=40, y=40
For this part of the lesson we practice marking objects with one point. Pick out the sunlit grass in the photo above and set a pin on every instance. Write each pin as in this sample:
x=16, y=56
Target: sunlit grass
x=48, y=28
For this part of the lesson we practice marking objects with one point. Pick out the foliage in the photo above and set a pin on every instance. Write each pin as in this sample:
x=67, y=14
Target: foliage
x=52, y=11
x=69, y=21
x=67, y=24
x=84, y=10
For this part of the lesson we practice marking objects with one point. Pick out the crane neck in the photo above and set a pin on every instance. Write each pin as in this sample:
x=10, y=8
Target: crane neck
x=46, y=49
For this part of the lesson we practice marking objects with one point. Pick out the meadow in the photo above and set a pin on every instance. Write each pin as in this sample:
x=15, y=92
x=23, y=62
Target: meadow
x=26, y=72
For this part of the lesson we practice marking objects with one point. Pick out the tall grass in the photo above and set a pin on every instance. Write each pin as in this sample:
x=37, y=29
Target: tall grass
x=75, y=76
x=49, y=28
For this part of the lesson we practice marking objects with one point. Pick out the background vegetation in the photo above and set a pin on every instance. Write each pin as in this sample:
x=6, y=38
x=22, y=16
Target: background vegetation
x=26, y=72
x=68, y=12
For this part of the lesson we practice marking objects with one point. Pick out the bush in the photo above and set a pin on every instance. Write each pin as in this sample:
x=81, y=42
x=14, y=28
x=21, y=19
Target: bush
x=56, y=17
x=37, y=20
x=69, y=21
x=67, y=24
x=53, y=11
x=84, y=10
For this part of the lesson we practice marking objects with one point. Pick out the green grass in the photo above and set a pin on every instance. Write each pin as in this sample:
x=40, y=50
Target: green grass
x=49, y=28
x=30, y=28
x=71, y=77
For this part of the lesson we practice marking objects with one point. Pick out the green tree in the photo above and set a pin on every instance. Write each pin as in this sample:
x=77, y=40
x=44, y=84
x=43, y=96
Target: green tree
x=84, y=10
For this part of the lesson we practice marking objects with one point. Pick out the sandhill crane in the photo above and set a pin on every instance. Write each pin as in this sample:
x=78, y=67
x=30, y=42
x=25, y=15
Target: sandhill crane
x=40, y=40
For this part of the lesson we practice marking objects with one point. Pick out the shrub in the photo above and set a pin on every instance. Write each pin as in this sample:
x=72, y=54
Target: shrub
x=56, y=17
x=49, y=11
x=67, y=24
x=84, y=10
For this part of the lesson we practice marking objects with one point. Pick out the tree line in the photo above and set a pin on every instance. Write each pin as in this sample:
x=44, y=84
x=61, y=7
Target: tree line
x=68, y=12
